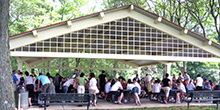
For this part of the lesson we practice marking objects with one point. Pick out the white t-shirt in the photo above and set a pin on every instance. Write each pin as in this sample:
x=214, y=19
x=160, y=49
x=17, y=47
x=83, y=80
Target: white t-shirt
x=182, y=87
x=199, y=81
x=190, y=86
x=93, y=84
x=139, y=87
x=147, y=78
x=116, y=86
x=130, y=86
x=29, y=80
x=68, y=82
x=156, y=88
x=107, y=87
x=18, y=77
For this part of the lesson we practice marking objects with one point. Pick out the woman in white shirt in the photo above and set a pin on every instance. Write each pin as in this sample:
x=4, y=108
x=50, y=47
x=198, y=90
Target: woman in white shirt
x=190, y=86
x=199, y=82
x=93, y=89
x=29, y=82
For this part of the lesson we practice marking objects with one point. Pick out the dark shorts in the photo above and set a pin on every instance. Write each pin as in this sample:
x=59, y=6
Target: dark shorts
x=199, y=88
x=102, y=87
x=30, y=89
x=135, y=90
x=46, y=88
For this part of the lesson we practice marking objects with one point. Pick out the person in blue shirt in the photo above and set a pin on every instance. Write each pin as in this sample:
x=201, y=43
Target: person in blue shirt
x=46, y=86
x=14, y=80
x=76, y=72
x=207, y=85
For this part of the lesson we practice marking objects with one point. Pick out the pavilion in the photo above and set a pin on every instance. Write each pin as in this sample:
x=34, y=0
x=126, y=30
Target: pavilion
x=128, y=34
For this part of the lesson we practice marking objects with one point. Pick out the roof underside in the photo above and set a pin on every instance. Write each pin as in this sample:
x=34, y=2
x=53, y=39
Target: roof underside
x=125, y=37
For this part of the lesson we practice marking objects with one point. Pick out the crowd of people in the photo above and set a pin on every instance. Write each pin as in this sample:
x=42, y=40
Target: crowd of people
x=105, y=87
x=183, y=83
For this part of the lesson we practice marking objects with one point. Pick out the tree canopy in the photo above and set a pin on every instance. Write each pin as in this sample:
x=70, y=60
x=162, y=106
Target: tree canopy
x=199, y=16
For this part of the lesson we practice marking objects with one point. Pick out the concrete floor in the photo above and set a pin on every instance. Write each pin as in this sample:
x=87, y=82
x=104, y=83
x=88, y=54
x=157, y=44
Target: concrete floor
x=102, y=104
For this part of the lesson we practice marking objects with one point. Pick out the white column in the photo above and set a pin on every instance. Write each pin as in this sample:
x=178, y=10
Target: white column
x=20, y=64
x=28, y=68
x=139, y=72
x=168, y=68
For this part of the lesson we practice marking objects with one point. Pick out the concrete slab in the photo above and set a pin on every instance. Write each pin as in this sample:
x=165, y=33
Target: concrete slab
x=102, y=104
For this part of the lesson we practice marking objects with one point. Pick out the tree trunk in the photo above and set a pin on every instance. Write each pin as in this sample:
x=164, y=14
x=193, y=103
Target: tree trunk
x=45, y=68
x=48, y=66
x=180, y=68
x=6, y=87
x=115, y=71
x=77, y=62
x=185, y=66
x=61, y=62
x=92, y=62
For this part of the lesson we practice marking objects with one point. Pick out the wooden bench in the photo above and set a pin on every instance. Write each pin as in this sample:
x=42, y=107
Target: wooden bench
x=69, y=98
x=203, y=95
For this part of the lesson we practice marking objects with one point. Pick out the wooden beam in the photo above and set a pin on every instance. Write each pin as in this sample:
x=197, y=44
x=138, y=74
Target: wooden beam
x=85, y=68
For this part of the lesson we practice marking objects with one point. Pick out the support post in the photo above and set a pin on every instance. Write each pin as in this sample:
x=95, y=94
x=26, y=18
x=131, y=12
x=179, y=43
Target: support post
x=28, y=68
x=20, y=64
x=139, y=72
x=168, y=68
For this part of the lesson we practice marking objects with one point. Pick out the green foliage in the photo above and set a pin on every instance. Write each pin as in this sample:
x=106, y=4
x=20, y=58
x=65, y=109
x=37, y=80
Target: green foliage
x=108, y=4
x=31, y=14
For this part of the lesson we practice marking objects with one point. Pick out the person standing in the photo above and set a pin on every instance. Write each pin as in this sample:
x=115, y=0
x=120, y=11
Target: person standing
x=137, y=77
x=57, y=83
x=76, y=73
x=93, y=89
x=46, y=87
x=18, y=75
x=180, y=77
x=199, y=82
x=29, y=82
x=120, y=76
x=173, y=83
x=101, y=83
x=67, y=84
x=186, y=78
x=166, y=87
x=81, y=83
x=14, y=80
x=147, y=81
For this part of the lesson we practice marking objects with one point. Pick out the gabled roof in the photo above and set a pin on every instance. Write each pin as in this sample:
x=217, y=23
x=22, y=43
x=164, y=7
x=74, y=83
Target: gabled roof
x=147, y=48
x=137, y=8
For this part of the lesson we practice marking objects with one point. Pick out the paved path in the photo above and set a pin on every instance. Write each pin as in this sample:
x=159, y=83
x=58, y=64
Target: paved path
x=102, y=104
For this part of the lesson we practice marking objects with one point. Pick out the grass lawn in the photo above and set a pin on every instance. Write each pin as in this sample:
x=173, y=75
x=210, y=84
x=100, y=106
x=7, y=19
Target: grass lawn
x=176, y=108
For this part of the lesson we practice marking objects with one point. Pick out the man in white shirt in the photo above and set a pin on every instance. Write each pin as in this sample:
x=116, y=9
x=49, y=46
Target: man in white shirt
x=67, y=84
x=18, y=75
x=115, y=90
